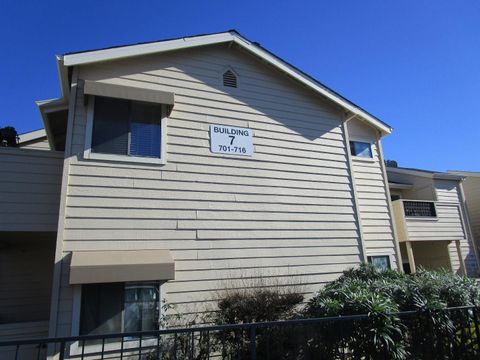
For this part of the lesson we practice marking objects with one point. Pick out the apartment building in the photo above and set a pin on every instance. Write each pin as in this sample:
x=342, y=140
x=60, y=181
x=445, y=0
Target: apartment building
x=431, y=219
x=167, y=170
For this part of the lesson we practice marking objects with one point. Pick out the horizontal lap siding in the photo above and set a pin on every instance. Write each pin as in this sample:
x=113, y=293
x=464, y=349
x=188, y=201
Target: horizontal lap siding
x=371, y=196
x=448, y=191
x=373, y=207
x=447, y=226
x=286, y=212
x=30, y=189
x=471, y=187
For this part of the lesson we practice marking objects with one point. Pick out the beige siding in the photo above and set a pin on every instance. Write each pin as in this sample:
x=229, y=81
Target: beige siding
x=30, y=189
x=446, y=226
x=285, y=212
x=40, y=144
x=372, y=197
x=449, y=191
x=471, y=187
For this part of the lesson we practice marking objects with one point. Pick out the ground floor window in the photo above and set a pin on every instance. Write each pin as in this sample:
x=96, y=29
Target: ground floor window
x=119, y=307
x=380, y=262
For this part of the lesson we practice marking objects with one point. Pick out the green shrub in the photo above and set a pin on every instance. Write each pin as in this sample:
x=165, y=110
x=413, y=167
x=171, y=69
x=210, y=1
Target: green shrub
x=380, y=295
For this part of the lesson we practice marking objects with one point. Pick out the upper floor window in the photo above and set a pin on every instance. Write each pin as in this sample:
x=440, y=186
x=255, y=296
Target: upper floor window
x=125, y=127
x=361, y=149
x=125, y=130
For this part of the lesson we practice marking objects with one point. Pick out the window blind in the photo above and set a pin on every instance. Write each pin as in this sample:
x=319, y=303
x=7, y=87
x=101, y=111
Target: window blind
x=145, y=132
x=110, y=126
x=124, y=127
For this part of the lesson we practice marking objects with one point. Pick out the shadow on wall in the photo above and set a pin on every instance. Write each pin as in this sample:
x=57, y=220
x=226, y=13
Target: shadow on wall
x=263, y=94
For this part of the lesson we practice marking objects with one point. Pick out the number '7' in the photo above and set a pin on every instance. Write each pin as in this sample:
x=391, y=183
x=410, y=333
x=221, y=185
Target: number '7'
x=233, y=138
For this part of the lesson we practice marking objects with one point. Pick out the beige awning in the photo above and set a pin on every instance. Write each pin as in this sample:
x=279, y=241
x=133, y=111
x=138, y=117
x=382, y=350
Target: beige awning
x=89, y=267
x=128, y=92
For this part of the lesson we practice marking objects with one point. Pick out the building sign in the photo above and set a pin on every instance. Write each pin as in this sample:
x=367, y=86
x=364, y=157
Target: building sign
x=231, y=140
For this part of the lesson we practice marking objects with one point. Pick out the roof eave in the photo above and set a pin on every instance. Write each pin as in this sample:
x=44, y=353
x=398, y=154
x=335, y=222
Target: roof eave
x=47, y=106
x=426, y=174
x=95, y=56
x=32, y=136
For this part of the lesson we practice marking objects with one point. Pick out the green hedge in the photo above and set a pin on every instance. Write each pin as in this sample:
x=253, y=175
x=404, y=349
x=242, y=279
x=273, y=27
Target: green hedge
x=431, y=333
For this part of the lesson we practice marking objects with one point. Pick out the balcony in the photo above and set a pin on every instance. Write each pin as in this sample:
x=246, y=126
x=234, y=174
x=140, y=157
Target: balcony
x=419, y=220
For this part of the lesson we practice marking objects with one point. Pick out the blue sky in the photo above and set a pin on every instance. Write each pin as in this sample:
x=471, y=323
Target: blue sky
x=414, y=64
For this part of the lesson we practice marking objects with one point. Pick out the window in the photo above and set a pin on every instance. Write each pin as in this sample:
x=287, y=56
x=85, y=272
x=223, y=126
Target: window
x=380, y=262
x=126, y=128
x=119, y=307
x=361, y=149
x=419, y=208
x=229, y=79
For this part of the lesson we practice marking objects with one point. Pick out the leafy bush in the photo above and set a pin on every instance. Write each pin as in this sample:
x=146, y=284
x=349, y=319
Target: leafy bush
x=426, y=331
x=381, y=294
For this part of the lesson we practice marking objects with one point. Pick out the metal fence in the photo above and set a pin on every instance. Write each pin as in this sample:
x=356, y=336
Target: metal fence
x=449, y=334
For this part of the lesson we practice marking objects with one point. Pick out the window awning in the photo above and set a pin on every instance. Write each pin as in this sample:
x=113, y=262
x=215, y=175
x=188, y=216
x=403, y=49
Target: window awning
x=88, y=267
x=128, y=92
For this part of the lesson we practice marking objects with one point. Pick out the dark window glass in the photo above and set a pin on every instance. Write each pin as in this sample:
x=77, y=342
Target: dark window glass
x=110, y=126
x=119, y=307
x=124, y=127
x=380, y=262
x=101, y=309
x=145, y=130
x=361, y=149
x=141, y=307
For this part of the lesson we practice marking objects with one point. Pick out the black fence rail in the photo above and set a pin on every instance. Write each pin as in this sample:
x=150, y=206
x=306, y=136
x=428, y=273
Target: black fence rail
x=347, y=337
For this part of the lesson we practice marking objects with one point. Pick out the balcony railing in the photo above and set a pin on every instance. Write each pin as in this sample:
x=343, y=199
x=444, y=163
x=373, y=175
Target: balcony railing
x=419, y=208
x=419, y=220
x=320, y=338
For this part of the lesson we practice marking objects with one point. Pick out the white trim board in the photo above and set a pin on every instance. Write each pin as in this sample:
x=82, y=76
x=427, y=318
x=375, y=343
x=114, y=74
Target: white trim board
x=425, y=173
x=32, y=135
x=116, y=53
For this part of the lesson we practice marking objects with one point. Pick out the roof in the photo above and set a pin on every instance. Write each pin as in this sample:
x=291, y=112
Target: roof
x=426, y=173
x=464, y=173
x=231, y=36
x=32, y=136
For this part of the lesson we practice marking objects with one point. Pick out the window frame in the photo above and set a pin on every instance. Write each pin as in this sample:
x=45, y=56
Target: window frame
x=364, y=158
x=76, y=347
x=89, y=154
x=370, y=258
x=421, y=217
